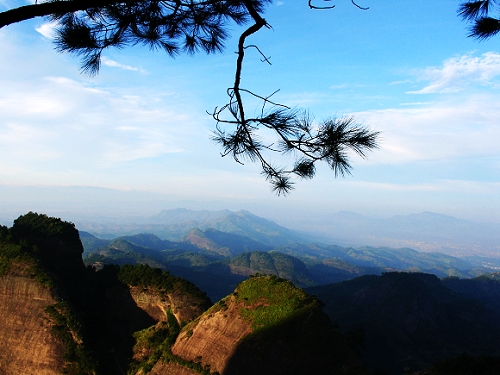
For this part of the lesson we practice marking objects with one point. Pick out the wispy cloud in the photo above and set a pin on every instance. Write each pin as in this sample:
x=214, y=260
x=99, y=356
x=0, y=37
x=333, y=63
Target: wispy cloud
x=459, y=72
x=66, y=121
x=48, y=30
x=114, y=64
x=437, y=131
x=415, y=103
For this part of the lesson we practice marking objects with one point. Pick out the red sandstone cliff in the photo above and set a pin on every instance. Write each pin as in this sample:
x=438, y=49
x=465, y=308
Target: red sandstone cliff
x=26, y=345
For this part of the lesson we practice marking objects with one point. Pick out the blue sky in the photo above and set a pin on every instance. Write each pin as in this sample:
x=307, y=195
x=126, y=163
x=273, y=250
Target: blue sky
x=136, y=138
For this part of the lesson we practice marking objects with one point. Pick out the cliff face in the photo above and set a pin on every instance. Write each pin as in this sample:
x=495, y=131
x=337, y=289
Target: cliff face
x=267, y=326
x=184, y=307
x=171, y=369
x=60, y=317
x=215, y=337
x=26, y=345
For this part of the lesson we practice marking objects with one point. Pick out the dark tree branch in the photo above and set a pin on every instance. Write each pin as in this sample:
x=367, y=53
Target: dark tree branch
x=88, y=27
x=311, y=6
x=479, y=13
x=27, y=12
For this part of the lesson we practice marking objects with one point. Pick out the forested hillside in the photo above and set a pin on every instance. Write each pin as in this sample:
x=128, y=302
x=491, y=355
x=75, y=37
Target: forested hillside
x=217, y=261
x=134, y=318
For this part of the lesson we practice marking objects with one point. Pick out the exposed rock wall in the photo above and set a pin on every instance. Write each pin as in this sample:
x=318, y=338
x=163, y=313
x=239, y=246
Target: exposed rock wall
x=214, y=339
x=171, y=369
x=26, y=345
x=185, y=307
x=267, y=327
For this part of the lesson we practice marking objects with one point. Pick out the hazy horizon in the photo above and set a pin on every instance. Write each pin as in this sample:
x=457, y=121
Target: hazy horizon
x=136, y=139
x=100, y=204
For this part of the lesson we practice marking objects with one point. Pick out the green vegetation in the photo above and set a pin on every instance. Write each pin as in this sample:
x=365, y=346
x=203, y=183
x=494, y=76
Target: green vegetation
x=18, y=257
x=271, y=301
x=157, y=342
x=43, y=230
x=145, y=276
x=67, y=328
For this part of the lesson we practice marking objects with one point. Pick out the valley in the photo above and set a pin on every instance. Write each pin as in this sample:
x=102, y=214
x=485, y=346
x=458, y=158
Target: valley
x=235, y=294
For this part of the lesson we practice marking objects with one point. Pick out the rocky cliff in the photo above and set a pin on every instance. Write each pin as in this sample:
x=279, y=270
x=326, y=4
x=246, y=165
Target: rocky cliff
x=60, y=317
x=27, y=346
x=183, y=306
x=267, y=326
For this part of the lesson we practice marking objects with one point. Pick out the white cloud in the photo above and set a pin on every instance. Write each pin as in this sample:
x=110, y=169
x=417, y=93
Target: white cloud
x=459, y=72
x=438, y=131
x=114, y=64
x=415, y=103
x=77, y=126
x=48, y=30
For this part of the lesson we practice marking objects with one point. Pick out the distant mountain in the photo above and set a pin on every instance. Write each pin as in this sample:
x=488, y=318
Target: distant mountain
x=222, y=243
x=174, y=225
x=426, y=231
x=91, y=242
x=150, y=241
x=216, y=261
x=183, y=215
x=378, y=259
x=273, y=263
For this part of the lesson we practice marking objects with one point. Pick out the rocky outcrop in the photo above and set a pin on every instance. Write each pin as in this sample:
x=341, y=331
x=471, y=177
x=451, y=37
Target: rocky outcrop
x=214, y=339
x=172, y=369
x=185, y=307
x=26, y=345
x=57, y=242
x=267, y=326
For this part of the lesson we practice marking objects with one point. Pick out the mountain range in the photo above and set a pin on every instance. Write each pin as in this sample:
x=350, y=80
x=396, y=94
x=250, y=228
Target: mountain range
x=218, y=249
x=63, y=317
x=426, y=231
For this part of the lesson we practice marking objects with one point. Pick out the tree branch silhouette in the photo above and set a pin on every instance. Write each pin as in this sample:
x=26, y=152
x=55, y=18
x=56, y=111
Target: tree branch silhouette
x=484, y=26
x=88, y=27
x=329, y=142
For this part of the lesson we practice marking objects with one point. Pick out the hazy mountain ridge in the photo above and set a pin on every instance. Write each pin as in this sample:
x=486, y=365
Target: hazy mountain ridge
x=227, y=258
x=223, y=243
x=131, y=318
x=426, y=231
x=174, y=225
